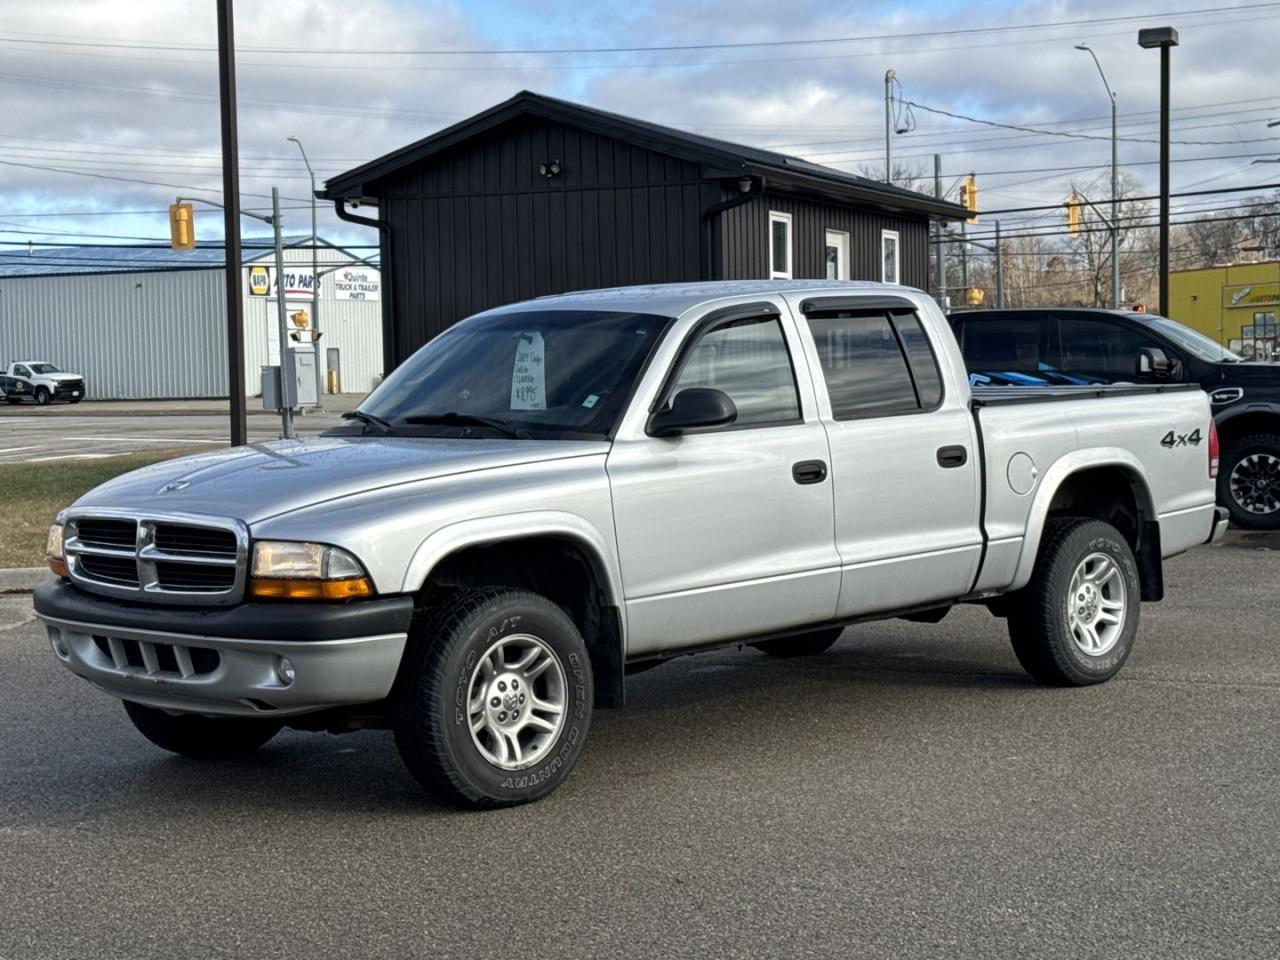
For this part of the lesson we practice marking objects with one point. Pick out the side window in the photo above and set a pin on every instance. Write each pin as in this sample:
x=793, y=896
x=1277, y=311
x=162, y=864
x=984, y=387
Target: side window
x=21, y=371
x=866, y=369
x=924, y=365
x=1107, y=351
x=779, y=245
x=748, y=360
x=889, y=256
x=1004, y=346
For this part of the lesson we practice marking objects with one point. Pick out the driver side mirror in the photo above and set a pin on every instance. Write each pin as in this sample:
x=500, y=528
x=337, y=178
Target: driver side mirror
x=1154, y=363
x=693, y=408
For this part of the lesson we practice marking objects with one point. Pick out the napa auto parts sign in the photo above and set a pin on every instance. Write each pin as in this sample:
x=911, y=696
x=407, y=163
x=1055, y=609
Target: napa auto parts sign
x=356, y=283
x=299, y=283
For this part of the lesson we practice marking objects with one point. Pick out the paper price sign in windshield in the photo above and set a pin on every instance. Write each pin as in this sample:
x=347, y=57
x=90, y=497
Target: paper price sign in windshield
x=528, y=374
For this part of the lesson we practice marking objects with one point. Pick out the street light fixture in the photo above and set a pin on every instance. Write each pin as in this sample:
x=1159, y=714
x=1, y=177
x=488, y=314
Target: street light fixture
x=315, y=273
x=1163, y=38
x=1115, y=184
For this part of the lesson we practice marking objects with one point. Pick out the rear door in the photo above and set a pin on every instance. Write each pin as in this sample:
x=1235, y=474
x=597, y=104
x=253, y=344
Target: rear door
x=904, y=457
x=726, y=532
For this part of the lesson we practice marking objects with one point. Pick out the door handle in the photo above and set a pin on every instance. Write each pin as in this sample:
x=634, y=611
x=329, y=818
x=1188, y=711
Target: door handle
x=809, y=471
x=952, y=456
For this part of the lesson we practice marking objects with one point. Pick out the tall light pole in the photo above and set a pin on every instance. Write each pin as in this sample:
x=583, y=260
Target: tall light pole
x=1115, y=185
x=1165, y=38
x=315, y=275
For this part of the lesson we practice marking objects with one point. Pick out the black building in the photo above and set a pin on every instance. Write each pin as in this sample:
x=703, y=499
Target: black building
x=538, y=195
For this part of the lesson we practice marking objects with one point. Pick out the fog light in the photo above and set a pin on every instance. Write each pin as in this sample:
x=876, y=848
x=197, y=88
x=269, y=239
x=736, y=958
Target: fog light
x=59, y=645
x=285, y=671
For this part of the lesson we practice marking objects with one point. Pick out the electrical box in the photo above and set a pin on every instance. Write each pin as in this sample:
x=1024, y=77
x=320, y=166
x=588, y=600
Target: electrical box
x=302, y=374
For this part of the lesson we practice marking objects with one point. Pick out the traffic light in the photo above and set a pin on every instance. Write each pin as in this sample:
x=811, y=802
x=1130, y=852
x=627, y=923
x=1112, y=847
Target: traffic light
x=969, y=196
x=974, y=296
x=182, y=226
x=1073, y=215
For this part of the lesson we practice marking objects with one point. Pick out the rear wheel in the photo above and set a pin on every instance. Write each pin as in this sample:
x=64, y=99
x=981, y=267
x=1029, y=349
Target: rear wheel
x=201, y=738
x=801, y=645
x=1249, y=482
x=1075, y=622
x=43, y=396
x=494, y=699
x=14, y=401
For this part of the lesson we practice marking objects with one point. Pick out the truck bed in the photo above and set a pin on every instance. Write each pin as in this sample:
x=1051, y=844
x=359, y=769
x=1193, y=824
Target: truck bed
x=1000, y=396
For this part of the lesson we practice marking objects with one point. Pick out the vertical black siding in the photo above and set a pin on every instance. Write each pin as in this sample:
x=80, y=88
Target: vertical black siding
x=744, y=240
x=478, y=226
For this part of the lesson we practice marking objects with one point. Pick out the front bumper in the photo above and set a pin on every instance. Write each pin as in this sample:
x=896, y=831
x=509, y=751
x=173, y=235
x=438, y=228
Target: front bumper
x=226, y=661
x=1220, y=521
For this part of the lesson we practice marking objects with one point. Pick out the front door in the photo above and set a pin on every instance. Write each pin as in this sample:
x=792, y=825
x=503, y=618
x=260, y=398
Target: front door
x=726, y=532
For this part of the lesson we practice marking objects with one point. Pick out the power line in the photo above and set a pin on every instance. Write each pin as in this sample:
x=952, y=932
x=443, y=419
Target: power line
x=751, y=44
x=150, y=183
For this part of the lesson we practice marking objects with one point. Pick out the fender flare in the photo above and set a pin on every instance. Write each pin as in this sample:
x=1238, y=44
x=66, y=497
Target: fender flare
x=1237, y=410
x=1062, y=470
x=516, y=526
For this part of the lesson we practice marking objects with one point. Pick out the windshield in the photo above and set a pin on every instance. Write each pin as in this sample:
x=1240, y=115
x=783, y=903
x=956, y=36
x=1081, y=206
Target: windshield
x=541, y=374
x=1190, y=340
x=45, y=368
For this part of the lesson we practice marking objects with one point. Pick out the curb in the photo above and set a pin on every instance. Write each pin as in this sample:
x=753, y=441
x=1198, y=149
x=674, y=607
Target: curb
x=22, y=579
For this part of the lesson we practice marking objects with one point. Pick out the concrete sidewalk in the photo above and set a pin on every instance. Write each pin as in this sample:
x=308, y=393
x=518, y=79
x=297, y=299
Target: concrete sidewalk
x=22, y=579
x=333, y=403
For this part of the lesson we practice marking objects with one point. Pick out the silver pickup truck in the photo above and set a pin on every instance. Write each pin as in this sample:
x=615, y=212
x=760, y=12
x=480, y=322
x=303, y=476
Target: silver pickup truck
x=553, y=493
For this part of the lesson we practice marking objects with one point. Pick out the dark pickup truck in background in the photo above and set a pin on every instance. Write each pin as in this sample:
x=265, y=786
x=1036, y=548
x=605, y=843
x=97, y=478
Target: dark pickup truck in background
x=1053, y=346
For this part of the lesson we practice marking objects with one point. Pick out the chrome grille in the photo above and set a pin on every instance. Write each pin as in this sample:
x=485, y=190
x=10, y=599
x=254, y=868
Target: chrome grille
x=159, y=558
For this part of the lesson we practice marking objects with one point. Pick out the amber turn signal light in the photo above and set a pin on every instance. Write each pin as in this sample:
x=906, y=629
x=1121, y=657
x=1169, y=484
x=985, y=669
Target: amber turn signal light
x=59, y=567
x=284, y=588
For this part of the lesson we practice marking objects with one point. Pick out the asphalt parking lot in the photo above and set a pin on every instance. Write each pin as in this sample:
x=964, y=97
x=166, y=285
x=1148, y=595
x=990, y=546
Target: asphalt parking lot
x=908, y=794
x=31, y=435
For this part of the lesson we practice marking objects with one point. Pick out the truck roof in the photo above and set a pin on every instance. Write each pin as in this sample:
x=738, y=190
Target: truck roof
x=673, y=299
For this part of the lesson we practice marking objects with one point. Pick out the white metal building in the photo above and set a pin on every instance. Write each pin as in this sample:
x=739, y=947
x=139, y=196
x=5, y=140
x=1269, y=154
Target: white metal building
x=147, y=323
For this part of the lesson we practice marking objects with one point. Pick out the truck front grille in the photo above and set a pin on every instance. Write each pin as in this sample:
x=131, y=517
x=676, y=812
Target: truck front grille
x=158, y=558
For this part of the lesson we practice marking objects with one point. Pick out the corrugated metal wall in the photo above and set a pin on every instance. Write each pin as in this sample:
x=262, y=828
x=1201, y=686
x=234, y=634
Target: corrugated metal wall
x=744, y=240
x=163, y=334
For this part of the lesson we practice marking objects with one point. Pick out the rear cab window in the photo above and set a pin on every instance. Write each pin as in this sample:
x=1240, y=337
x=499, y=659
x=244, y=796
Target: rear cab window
x=875, y=362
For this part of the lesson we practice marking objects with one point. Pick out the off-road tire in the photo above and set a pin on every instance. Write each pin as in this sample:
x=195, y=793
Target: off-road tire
x=431, y=714
x=1039, y=620
x=201, y=738
x=1251, y=445
x=800, y=645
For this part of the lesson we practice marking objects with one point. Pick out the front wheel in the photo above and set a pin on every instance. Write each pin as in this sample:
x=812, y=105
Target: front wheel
x=201, y=738
x=43, y=396
x=1077, y=619
x=494, y=699
x=1249, y=482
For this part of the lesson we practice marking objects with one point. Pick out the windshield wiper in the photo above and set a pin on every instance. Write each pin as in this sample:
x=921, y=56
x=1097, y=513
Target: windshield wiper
x=456, y=419
x=368, y=419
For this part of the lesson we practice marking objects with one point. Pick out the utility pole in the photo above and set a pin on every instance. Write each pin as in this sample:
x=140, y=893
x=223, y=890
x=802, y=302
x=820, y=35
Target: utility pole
x=888, y=126
x=1115, y=184
x=286, y=383
x=315, y=274
x=999, y=269
x=940, y=263
x=1165, y=38
x=231, y=221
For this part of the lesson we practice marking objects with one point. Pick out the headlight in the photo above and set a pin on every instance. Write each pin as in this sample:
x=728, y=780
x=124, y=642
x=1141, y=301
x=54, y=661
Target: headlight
x=53, y=551
x=306, y=571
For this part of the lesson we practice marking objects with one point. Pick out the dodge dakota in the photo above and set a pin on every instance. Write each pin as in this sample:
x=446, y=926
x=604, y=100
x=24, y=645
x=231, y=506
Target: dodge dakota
x=552, y=493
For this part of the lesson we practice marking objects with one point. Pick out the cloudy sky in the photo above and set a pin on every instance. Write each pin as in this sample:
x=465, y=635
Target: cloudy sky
x=111, y=107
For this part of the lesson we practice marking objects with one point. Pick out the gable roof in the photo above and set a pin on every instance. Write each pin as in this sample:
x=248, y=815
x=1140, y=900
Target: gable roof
x=728, y=159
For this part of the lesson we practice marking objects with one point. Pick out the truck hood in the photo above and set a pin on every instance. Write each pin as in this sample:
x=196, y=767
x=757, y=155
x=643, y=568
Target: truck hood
x=1251, y=372
x=264, y=480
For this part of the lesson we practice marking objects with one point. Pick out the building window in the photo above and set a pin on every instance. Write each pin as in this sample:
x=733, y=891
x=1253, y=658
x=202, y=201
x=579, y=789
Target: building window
x=889, y=256
x=836, y=255
x=779, y=245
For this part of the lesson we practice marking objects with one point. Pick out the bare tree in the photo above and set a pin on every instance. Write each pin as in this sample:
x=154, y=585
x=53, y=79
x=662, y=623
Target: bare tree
x=909, y=176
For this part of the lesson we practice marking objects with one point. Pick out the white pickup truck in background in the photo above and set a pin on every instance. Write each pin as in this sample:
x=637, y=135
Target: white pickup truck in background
x=552, y=493
x=40, y=381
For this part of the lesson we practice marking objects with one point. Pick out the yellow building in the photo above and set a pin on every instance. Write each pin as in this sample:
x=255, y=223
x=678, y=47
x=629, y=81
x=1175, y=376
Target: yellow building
x=1235, y=305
